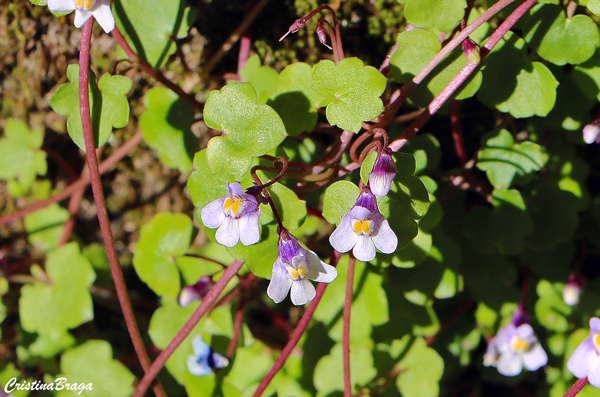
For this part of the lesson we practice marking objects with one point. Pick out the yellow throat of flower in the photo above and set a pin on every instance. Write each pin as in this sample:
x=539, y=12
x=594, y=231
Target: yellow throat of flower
x=298, y=274
x=230, y=204
x=362, y=226
x=519, y=344
x=596, y=340
x=83, y=4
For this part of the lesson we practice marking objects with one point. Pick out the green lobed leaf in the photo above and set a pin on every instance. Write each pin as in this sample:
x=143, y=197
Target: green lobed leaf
x=45, y=227
x=594, y=6
x=421, y=368
x=150, y=27
x=51, y=309
x=339, y=199
x=262, y=78
x=49, y=345
x=550, y=309
x=294, y=99
x=164, y=238
x=444, y=15
x=249, y=128
x=260, y=257
x=20, y=156
x=573, y=102
x=559, y=39
x=166, y=128
x=587, y=77
x=501, y=158
x=513, y=84
x=351, y=91
x=92, y=363
x=108, y=104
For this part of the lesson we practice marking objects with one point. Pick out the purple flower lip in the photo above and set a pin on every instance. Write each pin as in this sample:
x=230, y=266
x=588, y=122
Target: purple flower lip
x=195, y=292
x=383, y=173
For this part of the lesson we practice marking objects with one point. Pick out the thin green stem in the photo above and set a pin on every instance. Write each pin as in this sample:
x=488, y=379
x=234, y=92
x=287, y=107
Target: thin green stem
x=183, y=333
x=109, y=242
x=346, y=335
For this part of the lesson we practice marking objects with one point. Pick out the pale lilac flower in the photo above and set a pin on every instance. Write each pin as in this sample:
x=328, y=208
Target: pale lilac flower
x=572, y=289
x=591, y=132
x=192, y=293
x=204, y=360
x=383, y=173
x=363, y=228
x=514, y=346
x=585, y=360
x=292, y=270
x=235, y=215
x=84, y=9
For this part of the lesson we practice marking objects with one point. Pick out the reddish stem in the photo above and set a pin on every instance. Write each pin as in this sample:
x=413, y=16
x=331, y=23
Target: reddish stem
x=346, y=335
x=105, y=166
x=109, y=242
x=134, y=57
x=463, y=75
x=237, y=327
x=298, y=332
x=73, y=208
x=457, y=134
x=205, y=305
x=244, y=53
x=576, y=388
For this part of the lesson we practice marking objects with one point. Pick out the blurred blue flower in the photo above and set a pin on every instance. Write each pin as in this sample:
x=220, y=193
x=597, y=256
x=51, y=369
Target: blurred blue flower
x=513, y=347
x=585, y=360
x=204, y=360
x=235, y=215
x=383, y=173
x=84, y=9
x=292, y=269
x=363, y=228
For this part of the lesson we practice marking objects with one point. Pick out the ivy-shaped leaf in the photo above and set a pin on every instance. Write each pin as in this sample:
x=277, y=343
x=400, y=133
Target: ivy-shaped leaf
x=421, y=368
x=108, y=105
x=164, y=238
x=51, y=309
x=21, y=159
x=559, y=39
x=92, y=363
x=294, y=99
x=587, y=77
x=262, y=78
x=550, y=309
x=150, y=28
x=249, y=128
x=351, y=91
x=593, y=6
x=513, y=84
x=45, y=226
x=501, y=158
x=166, y=127
x=444, y=15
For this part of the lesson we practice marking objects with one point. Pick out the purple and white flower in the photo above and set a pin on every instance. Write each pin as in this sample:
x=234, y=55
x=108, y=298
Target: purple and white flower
x=591, y=132
x=514, y=346
x=572, y=289
x=585, y=360
x=235, y=215
x=383, y=173
x=292, y=270
x=84, y=9
x=205, y=360
x=363, y=228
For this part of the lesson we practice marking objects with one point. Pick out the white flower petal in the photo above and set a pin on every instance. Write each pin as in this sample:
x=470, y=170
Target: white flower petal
x=198, y=368
x=212, y=215
x=280, y=283
x=343, y=238
x=61, y=5
x=536, y=358
x=199, y=347
x=104, y=17
x=594, y=324
x=302, y=292
x=228, y=233
x=578, y=364
x=320, y=271
x=510, y=364
x=386, y=240
x=364, y=250
x=524, y=331
x=594, y=373
x=249, y=228
x=81, y=16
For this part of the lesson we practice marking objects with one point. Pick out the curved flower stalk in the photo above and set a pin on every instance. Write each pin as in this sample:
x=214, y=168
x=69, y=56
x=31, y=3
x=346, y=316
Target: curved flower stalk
x=364, y=228
x=235, y=215
x=514, y=346
x=292, y=270
x=84, y=9
x=204, y=360
x=384, y=171
x=585, y=360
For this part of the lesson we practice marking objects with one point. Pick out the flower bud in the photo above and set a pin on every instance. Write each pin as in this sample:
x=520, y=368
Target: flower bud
x=296, y=26
x=322, y=34
x=471, y=50
x=384, y=171
x=572, y=290
x=591, y=132
x=195, y=292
